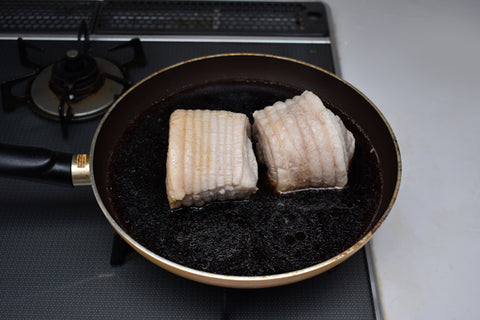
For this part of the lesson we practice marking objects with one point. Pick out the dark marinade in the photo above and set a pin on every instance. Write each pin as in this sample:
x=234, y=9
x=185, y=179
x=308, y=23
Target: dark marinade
x=267, y=234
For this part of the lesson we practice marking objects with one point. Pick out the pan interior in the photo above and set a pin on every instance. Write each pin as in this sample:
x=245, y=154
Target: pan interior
x=267, y=234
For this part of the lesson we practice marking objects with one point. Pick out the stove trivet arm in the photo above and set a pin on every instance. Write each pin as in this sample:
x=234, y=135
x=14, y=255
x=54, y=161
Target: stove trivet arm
x=122, y=81
x=83, y=30
x=11, y=101
x=23, y=46
x=65, y=117
x=138, y=59
x=43, y=165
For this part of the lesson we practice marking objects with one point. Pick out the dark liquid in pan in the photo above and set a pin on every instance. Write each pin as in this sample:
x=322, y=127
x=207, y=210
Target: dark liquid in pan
x=267, y=234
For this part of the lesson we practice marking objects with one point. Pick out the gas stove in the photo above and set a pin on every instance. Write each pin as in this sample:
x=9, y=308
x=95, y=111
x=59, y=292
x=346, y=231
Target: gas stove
x=61, y=259
x=77, y=86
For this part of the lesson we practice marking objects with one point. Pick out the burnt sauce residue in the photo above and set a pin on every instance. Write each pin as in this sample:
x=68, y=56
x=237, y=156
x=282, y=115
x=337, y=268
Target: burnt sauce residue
x=267, y=234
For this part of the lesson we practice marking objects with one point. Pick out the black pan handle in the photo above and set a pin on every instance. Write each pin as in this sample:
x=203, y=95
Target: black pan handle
x=42, y=165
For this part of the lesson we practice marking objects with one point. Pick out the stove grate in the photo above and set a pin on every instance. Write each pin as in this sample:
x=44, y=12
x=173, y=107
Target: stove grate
x=150, y=17
x=77, y=87
x=46, y=16
x=212, y=17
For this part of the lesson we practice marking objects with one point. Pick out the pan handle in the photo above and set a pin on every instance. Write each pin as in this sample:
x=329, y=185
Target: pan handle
x=44, y=165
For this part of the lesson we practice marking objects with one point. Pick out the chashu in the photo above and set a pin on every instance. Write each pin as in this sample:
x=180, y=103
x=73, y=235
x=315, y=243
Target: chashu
x=210, y=157
x=303, y=144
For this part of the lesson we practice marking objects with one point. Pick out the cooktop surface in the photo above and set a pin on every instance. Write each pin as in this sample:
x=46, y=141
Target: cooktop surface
x=58, y=254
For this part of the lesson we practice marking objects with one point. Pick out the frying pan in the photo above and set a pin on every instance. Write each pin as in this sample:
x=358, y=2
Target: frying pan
x=240, y=70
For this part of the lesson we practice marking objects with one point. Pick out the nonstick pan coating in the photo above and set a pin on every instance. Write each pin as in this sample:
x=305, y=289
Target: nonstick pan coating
x=230, y=80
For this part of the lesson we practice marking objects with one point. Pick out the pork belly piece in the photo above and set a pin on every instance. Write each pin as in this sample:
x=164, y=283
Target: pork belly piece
x=210, y=157
x=303, y=144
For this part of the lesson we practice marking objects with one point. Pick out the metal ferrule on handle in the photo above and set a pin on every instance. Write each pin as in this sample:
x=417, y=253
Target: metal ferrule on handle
x=80, y=169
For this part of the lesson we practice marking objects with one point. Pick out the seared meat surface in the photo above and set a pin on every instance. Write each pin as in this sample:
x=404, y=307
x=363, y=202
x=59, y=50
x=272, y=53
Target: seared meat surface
x=210, y=157
x=303, y=144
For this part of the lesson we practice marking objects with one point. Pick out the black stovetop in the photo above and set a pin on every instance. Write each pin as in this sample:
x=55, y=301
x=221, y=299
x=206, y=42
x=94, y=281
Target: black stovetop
x=55, y=243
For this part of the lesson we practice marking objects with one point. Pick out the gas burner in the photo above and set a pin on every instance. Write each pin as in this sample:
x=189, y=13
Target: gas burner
x=80, y=82
x=76, y=74
x=76, y=87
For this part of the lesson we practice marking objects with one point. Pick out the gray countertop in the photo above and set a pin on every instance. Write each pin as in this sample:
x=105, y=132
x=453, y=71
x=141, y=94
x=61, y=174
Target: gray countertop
x=418, y=61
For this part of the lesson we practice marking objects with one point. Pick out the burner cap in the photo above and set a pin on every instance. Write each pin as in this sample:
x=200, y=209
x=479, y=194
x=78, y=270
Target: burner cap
x=76, y=76
x=46, y=89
